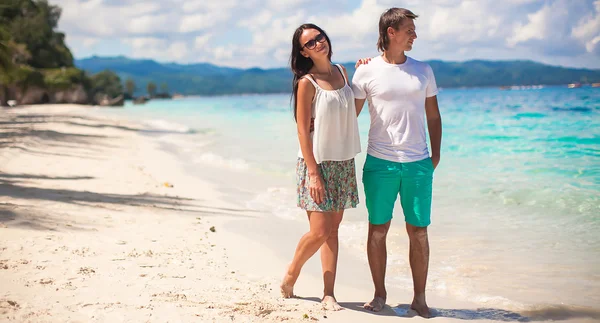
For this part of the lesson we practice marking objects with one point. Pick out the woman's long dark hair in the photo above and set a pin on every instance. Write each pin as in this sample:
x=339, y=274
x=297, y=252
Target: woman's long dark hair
x=301, y=65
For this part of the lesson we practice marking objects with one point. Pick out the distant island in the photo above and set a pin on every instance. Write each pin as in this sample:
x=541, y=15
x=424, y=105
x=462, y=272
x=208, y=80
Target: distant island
x=36, y=66
x=209, y=79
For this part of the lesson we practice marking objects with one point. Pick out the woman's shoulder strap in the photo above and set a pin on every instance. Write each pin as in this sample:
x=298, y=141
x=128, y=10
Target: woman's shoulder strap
x=342, y=71
x=311, y=79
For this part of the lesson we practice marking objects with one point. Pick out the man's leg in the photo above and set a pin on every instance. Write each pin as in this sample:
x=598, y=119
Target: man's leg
x=419, y=265
x=381, y=179
x=329, y=258
x=377, y=254
x=415, y=196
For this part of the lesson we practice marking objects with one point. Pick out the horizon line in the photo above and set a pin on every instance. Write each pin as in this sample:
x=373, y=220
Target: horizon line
x=348, y=62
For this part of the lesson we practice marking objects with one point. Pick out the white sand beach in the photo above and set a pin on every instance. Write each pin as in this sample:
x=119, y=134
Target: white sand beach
x=99, y=224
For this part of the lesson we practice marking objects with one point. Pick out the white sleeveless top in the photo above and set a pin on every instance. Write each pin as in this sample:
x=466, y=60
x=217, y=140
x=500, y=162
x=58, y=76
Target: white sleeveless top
x=335, y=136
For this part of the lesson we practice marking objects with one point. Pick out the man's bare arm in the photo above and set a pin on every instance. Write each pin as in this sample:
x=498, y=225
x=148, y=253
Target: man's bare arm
x=434, y=124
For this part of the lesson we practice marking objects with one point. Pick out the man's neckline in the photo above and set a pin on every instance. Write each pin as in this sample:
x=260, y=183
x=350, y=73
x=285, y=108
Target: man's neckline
x=392, y=64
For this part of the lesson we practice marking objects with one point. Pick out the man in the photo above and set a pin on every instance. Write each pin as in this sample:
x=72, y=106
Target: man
x=401, y=92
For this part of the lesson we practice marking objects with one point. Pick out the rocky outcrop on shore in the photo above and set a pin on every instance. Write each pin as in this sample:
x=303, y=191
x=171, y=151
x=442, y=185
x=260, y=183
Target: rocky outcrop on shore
x=38, y=95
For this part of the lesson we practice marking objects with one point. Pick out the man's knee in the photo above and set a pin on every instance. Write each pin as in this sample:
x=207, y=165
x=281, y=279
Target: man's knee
x=416, y=233
x=378, y=233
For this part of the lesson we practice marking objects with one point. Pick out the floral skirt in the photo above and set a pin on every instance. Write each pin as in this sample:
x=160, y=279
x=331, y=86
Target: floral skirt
x=341, y=191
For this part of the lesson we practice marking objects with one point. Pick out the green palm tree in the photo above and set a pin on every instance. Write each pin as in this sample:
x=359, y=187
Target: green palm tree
x=5, y=52
x=6, y=65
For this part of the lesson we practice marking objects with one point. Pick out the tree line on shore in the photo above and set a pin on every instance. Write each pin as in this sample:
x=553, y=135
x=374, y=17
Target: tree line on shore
x=36, y=66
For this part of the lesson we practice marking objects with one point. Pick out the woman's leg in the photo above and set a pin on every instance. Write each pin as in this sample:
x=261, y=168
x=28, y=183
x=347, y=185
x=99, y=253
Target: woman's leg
x=329, y=258
x=321, y=224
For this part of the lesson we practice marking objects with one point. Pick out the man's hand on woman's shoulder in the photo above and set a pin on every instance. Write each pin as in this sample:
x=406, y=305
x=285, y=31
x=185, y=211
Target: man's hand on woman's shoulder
x=362, y=61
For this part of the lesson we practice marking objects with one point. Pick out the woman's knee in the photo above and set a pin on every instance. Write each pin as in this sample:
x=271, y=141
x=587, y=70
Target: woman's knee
x=321, y=234
x=323, y=231
x=336, y=221
x=334, y=231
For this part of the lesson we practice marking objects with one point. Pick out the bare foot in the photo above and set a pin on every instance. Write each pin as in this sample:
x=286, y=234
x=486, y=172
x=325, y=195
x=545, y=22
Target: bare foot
x=287, y=287
x=329, y=303
x=421, y=308
x=376, y=304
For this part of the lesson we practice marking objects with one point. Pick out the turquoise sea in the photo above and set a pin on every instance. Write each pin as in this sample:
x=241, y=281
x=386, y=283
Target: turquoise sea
x=516, y=211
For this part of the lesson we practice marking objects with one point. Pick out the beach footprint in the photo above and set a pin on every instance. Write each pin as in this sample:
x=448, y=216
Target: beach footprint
x=7, y=306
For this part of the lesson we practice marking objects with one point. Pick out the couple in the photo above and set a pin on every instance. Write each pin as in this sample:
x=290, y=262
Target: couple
x=401, y=93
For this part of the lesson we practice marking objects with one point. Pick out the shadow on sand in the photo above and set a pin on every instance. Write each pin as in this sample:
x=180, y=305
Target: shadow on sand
x=548, y=313
x=26, y=132
x=81, y=121
x=22, y=215
x=540, y=314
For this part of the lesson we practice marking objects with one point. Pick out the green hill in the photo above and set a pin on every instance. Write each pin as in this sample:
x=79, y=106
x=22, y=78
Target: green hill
x=208, y=79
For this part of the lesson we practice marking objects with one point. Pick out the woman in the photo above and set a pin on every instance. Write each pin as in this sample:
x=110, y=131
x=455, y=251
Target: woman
x=323, y=101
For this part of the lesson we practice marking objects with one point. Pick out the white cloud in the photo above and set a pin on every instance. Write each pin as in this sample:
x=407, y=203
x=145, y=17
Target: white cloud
x=467, y=22
x=199, y=22
x=178, y=50
x=223, y=53
x=142, y=43
x=355, y=25
x=208, y=5
x=84, y=42
x=89, y=42
x=148, y=24
x=592, y=45
x=150, y=47
x=261, y=19
x=588, y=30
x=201, y=41
x=288, y=5
x=258, y=32
x=537, y=27
x=551, y=29
x=140, y=8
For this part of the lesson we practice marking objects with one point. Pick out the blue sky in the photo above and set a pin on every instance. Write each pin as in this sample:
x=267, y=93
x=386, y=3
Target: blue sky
x=248, y=33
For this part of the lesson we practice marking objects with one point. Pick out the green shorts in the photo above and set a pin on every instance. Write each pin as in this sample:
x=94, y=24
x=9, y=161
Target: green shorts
x=384, y=180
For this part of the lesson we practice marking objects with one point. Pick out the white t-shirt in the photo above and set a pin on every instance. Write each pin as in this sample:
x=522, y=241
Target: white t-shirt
x=396, y=94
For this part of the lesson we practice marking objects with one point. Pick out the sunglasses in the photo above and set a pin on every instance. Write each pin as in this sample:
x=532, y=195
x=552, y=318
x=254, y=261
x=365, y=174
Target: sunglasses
x=311, y=44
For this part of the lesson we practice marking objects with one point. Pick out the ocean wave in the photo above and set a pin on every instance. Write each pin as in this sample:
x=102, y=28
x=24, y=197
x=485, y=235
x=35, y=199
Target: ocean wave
x=278, y=201
x=572, y=109
x=220, y=161
x=186, y=144
x=534, y=115
x=167, y=126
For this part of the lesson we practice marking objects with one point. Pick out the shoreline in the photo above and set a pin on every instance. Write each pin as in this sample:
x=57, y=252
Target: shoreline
x=91, y=230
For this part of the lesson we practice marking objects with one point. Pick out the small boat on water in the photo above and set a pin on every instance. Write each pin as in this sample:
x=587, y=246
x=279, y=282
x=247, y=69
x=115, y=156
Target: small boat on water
x=574, y=85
